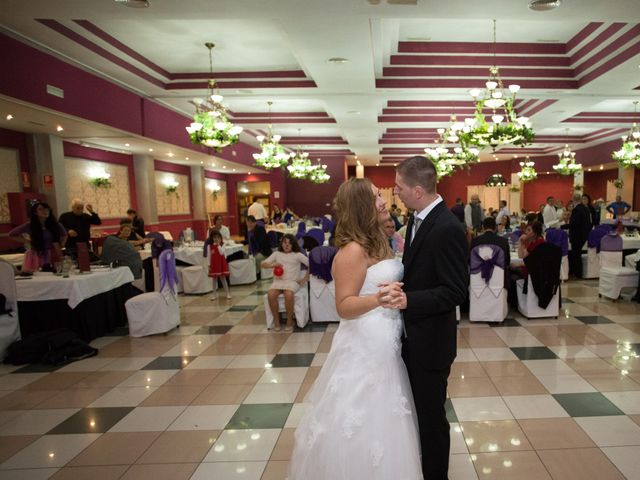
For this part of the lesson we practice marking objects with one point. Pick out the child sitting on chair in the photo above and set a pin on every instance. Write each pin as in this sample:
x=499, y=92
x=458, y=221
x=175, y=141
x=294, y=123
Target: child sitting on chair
x=286, y=263
x=218, y=266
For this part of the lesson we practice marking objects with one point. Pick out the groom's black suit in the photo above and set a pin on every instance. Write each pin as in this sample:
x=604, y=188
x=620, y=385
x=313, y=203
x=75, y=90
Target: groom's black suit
x=435, y=281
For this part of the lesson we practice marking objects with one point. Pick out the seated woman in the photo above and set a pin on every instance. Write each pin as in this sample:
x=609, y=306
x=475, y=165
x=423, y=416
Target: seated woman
x=224, y=231
x=505, y=225
x=132, y=237
x=117, y=248
x=529, y=240
x=288, y=259
x=41, y=236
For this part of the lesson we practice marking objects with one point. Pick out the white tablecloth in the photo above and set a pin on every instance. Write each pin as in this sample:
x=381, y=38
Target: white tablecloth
x=14, y=259
x=76, y=288
x=630, y=242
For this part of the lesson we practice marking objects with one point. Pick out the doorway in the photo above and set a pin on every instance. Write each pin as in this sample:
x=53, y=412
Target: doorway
x=249, y=192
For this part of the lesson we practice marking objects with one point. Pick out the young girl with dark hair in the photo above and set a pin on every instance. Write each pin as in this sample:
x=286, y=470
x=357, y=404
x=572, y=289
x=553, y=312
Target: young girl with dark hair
x=218, y=266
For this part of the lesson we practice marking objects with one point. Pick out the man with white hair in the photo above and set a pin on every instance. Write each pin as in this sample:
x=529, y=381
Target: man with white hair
x=78, y=223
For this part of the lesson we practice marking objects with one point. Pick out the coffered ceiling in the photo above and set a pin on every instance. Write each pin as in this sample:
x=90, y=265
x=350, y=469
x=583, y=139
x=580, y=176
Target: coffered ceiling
x=406, y=68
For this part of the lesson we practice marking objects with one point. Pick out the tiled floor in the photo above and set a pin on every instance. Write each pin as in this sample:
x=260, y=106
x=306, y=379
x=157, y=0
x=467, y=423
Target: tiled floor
x=220, y=398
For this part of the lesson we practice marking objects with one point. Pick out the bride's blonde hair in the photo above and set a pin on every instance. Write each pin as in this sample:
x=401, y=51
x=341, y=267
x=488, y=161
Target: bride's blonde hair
x=357, y=218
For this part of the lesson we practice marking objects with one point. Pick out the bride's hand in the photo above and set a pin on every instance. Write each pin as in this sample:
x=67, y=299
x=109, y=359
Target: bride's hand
x=389, y=293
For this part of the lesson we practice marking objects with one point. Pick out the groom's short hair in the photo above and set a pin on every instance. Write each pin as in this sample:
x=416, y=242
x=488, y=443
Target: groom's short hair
x=419, y=170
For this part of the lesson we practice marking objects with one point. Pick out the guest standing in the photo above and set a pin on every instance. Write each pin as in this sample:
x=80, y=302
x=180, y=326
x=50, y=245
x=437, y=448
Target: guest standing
x=257, y=211
x=40, y=236
x=258, y=241
x=224, y=231
x=458, y=210
x=580, y=224
x=78, y=224
x=473, y=214
x=218, y=266
x=137, y=223
x=619, y=208
x=396, y=242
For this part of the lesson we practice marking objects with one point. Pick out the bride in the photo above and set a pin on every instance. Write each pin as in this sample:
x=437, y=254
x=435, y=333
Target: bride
x=360, y=423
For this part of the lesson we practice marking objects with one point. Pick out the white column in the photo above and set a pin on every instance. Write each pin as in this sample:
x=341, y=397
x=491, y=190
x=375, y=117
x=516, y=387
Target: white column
x=359, y=171
x=145, y=188
x=47, y=158
x=198, y=193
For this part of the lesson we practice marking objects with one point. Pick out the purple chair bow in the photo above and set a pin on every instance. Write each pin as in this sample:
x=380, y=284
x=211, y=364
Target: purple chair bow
x=595, y=235
x=560, y=238
x=611, y=243
x=317, y=235
x=479, y=264
x=167, y=267
x=320, y=261
x=327, y=225
x=159, y=244
x=302, y=228
x=515, y=235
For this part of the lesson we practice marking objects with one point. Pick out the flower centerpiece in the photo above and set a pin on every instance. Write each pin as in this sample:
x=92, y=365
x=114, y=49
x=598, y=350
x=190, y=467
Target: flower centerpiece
x=618, y=183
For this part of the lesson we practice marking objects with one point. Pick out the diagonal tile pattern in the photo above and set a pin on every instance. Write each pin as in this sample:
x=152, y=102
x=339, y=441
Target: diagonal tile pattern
x=536, y=399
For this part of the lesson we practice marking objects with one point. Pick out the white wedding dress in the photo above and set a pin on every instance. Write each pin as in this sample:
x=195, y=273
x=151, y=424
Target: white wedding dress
x=361, y=423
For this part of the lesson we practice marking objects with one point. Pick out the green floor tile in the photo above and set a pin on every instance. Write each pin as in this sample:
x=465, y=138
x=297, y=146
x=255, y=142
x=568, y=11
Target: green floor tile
x=91, y=420
x=292, y=360
x=508, y=322
x=169, y=363
x=242, y=308
x=451, y=413
x=533, y=353
x=269, y=415
x=592, y=404
x=593, y=319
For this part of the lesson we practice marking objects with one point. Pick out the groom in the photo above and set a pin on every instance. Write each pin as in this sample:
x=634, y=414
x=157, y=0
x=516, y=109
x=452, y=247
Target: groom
x=435, y=280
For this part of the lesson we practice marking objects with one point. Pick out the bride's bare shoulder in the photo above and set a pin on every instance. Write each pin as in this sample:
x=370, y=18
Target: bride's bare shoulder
x=350, y=254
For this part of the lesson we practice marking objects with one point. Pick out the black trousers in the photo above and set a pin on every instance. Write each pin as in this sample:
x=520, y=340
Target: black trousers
x=575, y=254
x=430, y=393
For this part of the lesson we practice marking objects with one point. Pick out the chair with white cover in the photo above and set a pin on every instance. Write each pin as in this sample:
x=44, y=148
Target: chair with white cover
x=630, y=261
x=611, y=251
x=487, y=295
x=591, y=261
x=242, y=271
x=300, y=306
x=9, y=324
x=322, y=295
x=560, y=238
x=541, y=298
x=156, y=312
x=614, y=279
x=195, y=280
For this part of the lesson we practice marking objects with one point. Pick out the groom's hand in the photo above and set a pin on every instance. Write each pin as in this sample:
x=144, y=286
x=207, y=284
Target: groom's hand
x=391, y=295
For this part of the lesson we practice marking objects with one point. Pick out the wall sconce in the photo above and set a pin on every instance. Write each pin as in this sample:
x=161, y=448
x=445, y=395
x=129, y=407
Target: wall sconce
x=99, y=178
x=214, y=187
x=170, y=185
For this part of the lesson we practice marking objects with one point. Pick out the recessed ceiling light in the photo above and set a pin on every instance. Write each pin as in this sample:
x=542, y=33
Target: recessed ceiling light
x=59, y=128
x=601, y=167
x=244, y=91
x=224, y=166
x=127, y=145
x=133, y=3
x=9, y=117
x=338, y=60
x=248, y=173
x=186, y=158
x=202, y=163
x=170, y=154
x=544, y=5
x=588, y=169
x=151, y=149
x=354, y=112
x=558, y=111
x=377, y=164
x=234, y=169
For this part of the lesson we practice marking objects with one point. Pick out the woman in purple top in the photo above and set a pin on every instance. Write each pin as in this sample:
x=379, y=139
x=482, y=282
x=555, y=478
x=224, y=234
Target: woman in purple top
x=40, y=235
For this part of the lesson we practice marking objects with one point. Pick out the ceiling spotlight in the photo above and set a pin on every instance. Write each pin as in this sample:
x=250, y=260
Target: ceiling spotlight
x=59, y=128
x=126, y=145
x=9, y=117
x=544, y=5
x=201, y=163
x=151, y=149
x=186, y=158
x=354, y=112
x=170, y=154
x=224, y=166
x=338, y=60
x=234, y=169
x=133, y=3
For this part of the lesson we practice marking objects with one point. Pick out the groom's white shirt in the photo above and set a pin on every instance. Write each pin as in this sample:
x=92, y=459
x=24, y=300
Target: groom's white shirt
x=423, y=214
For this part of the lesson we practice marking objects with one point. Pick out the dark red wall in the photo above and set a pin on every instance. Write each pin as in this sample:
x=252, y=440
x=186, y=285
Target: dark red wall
x=595, y=183
x=306, y=198
x=535, y=193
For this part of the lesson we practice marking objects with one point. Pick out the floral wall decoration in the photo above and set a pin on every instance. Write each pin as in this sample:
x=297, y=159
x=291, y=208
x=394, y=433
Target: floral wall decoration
x=103, y=185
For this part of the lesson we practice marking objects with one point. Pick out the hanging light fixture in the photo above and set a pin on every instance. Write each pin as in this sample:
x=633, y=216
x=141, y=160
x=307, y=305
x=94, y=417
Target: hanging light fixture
x=210, y=126
x=505, y=126
x=527, y=171
x=629, y=155
x=496, y=180
x=318, y=173
x=460, y=155
x=300, y=165
x=567, y=161
x=272, y=154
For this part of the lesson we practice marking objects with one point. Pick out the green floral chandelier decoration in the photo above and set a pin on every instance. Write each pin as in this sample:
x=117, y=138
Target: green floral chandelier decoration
x=527, y=171
x=629, y=154
x=318, y=173
x=211, y=126
x=300, y=165
x=567, y=161
x=496, y=180
x=272, y=154
x=505, y=128
x=461, y=155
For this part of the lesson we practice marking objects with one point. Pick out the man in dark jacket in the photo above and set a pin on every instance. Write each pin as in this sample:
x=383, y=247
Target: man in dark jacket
x=78, y=223
x=258, y=241
x=580, y=225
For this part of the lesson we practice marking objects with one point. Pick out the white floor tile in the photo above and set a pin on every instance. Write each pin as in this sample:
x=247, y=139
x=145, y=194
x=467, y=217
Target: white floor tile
x=151, y=378
x=148, y=419
x=572, y=351
x=300, y=347
x=297, y=412
x=191, y=346
x=87, y=365
x=250, y=361
x=605, y=351
x=32, y=473
x=305, y=337
x=19, y=380
x=611, y=431
x=128, y=363
x=36, y=422
x=461, y=467
x=229, y=471
x=273, y=393
x=103, y=341
x=477, y=409
x=626, y=459
x=458, y=445
x=283, y=375
x=319, y=359
x=628, y=402
x=240, y=329
x=494, y=354
x=243, y=445
x=205, y=417
x=565, y=383
x=534, y=406
x=50, y=451
x=124, y=397
x=211, y=361
x=548, y=367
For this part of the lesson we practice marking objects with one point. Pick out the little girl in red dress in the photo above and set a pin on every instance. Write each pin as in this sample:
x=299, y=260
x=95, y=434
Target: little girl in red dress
x=218, y=266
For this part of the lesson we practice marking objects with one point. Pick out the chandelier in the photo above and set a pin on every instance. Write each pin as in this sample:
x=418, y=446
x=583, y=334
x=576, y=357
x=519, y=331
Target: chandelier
x=629, y=154
x=272, y=154
x=461, y=155
x=210, y=126
x=567, y=161
x=527, y=171
x=505, y=126
x=443, y=168
x=496, y=180
x=318, y=173
x=300, y=165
